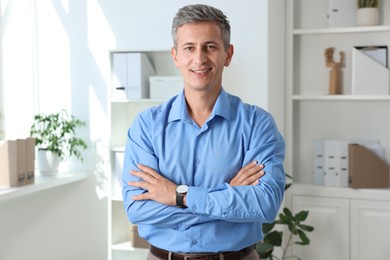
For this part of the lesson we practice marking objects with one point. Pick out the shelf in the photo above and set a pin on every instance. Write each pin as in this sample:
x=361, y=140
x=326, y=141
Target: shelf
x=342, y=97
x=41, y=183
x=367, y=29
x=141, y=100
x=136, y=253
x=118, y=149
x=306, y=189
x=117, y=198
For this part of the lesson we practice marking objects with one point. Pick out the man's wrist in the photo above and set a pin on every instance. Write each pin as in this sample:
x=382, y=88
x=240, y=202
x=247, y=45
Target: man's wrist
x=181, y=192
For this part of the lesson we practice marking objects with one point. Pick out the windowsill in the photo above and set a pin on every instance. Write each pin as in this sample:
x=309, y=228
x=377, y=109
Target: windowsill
x=41, y=183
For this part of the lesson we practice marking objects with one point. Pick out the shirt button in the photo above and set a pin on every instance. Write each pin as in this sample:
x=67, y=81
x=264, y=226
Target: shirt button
x=197, y=161
x=194, y=242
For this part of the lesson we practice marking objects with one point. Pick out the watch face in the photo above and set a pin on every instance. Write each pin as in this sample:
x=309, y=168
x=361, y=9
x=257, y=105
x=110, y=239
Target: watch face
x=182, y=189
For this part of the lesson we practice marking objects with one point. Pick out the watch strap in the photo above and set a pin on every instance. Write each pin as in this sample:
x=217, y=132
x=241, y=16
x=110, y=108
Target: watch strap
x=180, y=200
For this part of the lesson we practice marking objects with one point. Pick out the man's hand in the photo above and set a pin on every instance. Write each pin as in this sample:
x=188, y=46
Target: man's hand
x=159, y=188
x=248, y=175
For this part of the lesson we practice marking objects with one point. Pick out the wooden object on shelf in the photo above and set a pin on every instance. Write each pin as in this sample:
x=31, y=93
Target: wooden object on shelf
x=136, y=240
x=335, y=73
x=366, y=170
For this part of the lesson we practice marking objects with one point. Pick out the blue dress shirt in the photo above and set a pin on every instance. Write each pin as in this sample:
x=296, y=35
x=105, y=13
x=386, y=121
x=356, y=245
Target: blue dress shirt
x=219, y=217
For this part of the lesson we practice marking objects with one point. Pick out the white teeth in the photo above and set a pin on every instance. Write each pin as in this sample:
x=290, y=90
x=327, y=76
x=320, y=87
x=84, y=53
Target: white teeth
x=200, y=71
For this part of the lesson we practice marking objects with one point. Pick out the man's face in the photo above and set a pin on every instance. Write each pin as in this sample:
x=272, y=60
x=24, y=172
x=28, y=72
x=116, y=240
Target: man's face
x=200, y=55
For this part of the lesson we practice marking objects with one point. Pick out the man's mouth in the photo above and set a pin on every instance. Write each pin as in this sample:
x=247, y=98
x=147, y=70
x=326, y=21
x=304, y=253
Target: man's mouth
x=202, y=71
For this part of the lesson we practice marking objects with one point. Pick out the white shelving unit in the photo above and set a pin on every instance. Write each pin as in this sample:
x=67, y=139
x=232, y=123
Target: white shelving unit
x=123, y=111
x=336, y=213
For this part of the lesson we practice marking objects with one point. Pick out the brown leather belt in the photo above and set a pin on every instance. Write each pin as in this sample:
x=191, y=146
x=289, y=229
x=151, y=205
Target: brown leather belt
x=234, y=255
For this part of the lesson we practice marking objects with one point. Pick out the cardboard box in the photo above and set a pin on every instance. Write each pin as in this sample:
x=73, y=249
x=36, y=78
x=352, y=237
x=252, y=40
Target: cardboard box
x=17, y=162
x=136, y=240
x=366, y=169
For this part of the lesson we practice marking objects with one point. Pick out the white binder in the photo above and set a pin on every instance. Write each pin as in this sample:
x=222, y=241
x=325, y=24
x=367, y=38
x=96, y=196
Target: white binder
x=369, y=76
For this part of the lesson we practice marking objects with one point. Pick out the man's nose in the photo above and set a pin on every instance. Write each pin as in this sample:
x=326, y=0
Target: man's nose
x=200, y=56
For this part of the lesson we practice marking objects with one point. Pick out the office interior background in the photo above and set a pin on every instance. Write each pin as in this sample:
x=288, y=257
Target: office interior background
x=56, y=54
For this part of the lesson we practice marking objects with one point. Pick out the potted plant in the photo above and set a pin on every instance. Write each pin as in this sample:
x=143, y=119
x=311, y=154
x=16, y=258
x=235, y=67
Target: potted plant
x=367, y=13
x=56, y=139
x=273, y=238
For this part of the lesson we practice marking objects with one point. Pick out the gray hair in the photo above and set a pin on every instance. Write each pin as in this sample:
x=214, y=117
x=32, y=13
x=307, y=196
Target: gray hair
x=201, y=13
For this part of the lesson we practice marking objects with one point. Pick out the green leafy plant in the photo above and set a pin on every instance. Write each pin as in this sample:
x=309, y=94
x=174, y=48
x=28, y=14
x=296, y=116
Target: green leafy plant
x=274, y=238
x=367, y=3
x=57, y=133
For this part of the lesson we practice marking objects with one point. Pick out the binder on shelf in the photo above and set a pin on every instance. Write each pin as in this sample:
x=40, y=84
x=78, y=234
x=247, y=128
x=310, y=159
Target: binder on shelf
x=332, y=160
x=366, y=169
x=130, y=75
x=370, y=76
x=17, y=162
x=342, y=13
x=165, y=87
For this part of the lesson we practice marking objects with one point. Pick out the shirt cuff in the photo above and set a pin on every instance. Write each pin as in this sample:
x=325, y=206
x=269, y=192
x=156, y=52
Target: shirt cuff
x=197, y=199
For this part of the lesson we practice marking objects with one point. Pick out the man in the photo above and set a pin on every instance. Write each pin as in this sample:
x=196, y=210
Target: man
x=193, y=164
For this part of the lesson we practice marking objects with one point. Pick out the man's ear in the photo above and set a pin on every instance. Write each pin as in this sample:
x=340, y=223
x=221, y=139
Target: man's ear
x=229, y=55
x=173, y=54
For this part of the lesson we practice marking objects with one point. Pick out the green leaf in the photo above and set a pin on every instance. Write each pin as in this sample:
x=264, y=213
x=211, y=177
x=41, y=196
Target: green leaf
x=264, y=249
x=267, y=227
x=304, y=239
x=301, y=216
x=288, y=213
x=306, y=227
x=275, y=238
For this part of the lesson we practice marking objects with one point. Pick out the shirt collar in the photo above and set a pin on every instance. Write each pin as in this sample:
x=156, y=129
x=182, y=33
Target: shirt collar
x=221, y=108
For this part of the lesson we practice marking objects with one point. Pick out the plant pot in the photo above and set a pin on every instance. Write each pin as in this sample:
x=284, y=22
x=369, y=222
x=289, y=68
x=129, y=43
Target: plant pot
x=48, y=162
x=368, y=16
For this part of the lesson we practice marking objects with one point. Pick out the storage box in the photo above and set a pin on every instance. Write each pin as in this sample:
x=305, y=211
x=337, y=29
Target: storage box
x=17, y=162
x=165, y=87
x=130, y=75
x=331, y=160
x=367, y=169
x=136, y=240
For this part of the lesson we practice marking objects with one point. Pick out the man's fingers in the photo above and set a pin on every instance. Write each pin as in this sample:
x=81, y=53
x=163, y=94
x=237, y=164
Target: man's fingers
x=143, y=196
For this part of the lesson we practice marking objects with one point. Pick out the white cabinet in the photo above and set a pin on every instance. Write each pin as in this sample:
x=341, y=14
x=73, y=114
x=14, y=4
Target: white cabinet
x=122, y=113
x=349, y=224
x=330, y=217
x=370, y=226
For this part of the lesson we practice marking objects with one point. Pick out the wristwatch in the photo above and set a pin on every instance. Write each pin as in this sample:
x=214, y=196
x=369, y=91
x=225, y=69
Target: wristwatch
x=181, y=191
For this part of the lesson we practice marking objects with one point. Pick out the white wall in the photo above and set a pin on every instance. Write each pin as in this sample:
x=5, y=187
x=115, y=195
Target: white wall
x=66, y=65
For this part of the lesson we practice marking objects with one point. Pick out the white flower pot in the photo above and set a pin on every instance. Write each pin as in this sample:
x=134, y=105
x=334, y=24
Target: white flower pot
x=368, y=16
x=48, y=163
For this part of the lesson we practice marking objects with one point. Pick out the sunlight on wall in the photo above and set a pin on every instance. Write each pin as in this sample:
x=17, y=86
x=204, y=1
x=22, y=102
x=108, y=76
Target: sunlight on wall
x=100, y=37
x=54, y=77
x=16, y=66
x=100, y=158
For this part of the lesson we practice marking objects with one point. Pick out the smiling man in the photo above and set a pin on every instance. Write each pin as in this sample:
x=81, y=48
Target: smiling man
x=203, y=171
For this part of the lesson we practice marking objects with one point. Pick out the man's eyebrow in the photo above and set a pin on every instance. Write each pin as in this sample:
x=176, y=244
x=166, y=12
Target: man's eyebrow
x=205, y=43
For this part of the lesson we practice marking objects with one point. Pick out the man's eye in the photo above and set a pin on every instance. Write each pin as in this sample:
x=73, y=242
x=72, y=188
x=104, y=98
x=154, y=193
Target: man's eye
x=188, y=48
x=211, y=47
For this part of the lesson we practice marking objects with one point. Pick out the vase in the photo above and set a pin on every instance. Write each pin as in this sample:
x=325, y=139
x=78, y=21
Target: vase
x=48, y=162
x=368, y=16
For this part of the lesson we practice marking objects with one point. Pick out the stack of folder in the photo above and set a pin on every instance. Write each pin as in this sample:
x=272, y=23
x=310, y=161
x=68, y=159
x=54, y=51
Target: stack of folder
x=350, y=163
